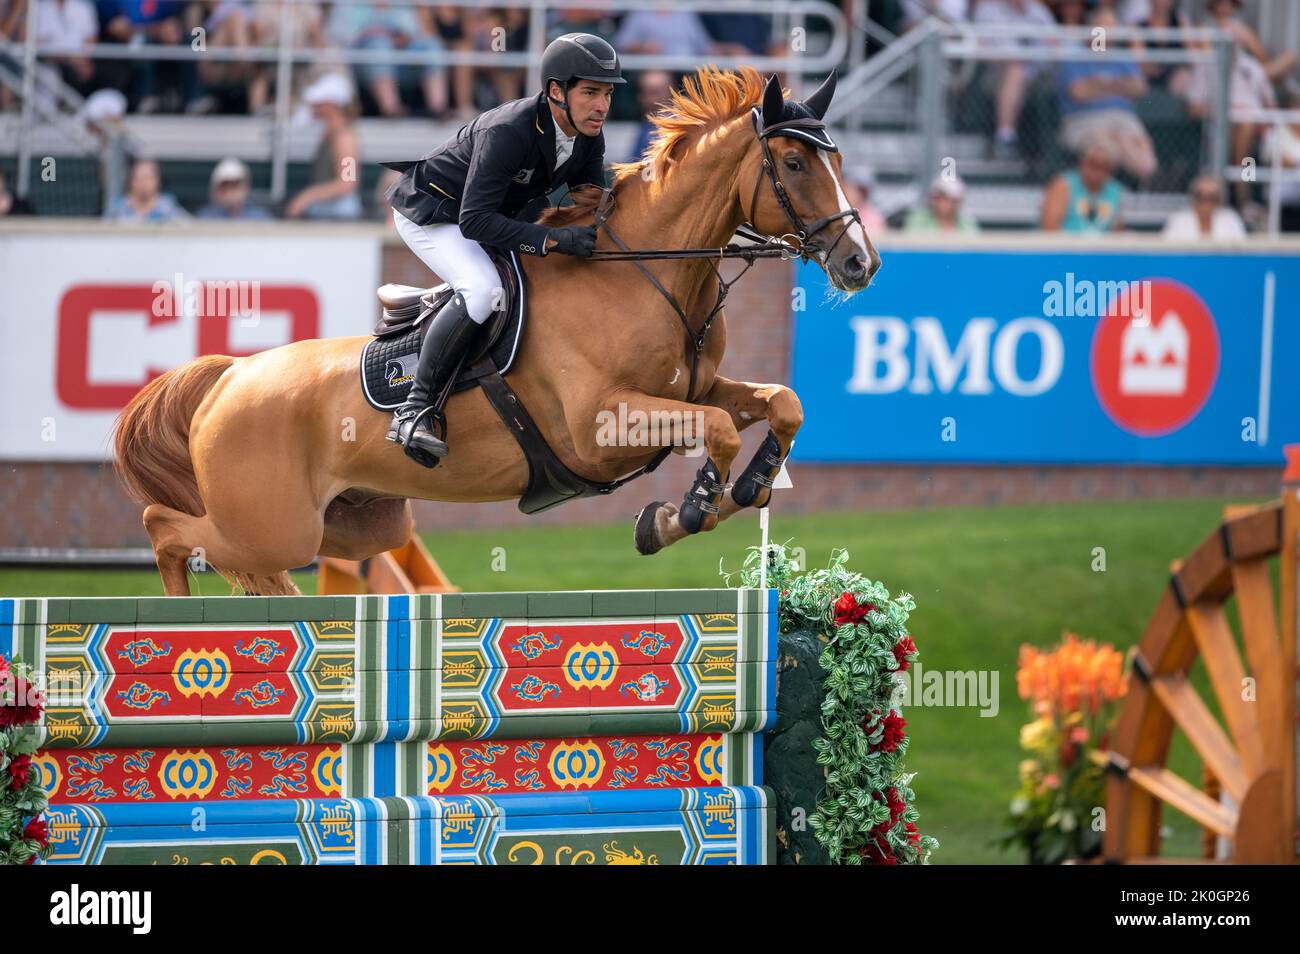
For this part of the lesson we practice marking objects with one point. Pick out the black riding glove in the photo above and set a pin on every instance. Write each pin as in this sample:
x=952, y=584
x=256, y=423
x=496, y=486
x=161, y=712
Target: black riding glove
x=579, y=240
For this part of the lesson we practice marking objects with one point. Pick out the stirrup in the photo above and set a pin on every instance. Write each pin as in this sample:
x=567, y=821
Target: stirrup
x=416, y=432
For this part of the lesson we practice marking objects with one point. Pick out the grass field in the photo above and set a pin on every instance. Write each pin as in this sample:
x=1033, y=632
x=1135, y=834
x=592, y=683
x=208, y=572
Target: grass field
x=985, y=581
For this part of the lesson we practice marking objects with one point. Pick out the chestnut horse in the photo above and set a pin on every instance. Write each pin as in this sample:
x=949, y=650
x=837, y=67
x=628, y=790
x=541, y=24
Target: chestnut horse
x=260, y=463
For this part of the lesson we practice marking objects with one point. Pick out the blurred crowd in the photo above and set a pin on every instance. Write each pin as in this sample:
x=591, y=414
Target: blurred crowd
x=428, y=87
x=1081, y=126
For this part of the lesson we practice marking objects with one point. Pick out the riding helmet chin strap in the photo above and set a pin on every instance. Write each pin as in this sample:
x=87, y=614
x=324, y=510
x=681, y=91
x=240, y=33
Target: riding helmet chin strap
x=563, y=104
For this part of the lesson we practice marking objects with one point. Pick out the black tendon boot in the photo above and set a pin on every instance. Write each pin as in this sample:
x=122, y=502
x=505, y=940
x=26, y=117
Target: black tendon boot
x=445, y=343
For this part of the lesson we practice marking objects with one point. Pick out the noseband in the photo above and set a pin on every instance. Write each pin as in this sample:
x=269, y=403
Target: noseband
x=803, y=232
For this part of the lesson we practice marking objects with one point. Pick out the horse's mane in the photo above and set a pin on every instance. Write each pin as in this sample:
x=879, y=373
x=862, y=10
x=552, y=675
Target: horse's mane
x=707, y=100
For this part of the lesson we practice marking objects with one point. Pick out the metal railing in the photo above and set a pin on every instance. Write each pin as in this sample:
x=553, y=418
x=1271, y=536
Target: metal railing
x=924, y=58
x=1276, y=174
x=788, y=16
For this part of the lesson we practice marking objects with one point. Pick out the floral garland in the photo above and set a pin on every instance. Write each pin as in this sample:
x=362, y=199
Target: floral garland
x=866, y=815
x=23, y=835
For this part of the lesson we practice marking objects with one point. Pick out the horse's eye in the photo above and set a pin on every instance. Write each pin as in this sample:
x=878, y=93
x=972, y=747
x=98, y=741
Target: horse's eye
x=793, y=164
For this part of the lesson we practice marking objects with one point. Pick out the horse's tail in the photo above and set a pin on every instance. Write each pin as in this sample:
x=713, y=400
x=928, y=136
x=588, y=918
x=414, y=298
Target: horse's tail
x=152, y=435
x=152, y=451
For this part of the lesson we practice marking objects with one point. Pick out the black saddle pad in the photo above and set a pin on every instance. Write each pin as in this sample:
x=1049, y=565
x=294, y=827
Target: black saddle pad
x=388, y=362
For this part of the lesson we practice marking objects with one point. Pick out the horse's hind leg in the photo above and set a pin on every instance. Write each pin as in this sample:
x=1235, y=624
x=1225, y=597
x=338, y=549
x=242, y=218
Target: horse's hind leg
x=256, y=546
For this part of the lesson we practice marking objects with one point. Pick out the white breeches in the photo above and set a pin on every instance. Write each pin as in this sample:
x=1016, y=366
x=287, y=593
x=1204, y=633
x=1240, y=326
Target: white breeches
x=460, y=262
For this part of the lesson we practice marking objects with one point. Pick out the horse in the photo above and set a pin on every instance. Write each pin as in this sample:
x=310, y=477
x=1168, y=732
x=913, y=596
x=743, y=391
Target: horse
x=258, y=464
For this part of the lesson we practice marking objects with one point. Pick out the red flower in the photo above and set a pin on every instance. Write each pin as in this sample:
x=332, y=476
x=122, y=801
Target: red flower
x=894, y=734
x=4, y=664
x=848, y=610
x=902, y=649
x=876, y=850
x=913, y=835
x=37, y=832
x=24, y=706
x=20, y=769
x=895, y=803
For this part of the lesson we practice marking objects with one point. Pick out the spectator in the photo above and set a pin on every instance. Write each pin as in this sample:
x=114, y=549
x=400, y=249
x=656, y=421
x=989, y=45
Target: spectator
x=1014, y=77
x=388, y=27
x=859, y=184
x=69, y=28
x=227, y=24
x=1283, y=141
x=10, y=204
x=1206, y=218
x=1253, y=73
x=1096, y=102
x=670, y=32
x=653, y=90
x=144, y=200
x=1223, y=13
x=152, y=22
x=1087, y=198
x=333, y=193
x=13, y=13
x=490, y=30
x=306, y=31
x=228, y=194
x=739, y=34
x=943, y=212
x=1174, y=77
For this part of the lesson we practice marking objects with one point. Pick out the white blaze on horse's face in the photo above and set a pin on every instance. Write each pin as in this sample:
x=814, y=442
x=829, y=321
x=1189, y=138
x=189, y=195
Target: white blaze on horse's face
x=856, y=233
x=854, y=271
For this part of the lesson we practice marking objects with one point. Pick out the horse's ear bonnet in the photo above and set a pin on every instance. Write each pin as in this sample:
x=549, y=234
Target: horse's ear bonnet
x=776, y=109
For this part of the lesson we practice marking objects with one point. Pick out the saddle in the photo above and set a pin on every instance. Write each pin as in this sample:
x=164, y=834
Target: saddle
x=389, y=359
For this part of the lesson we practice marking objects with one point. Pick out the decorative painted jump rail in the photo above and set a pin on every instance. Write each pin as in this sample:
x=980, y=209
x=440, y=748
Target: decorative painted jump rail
x=614, y=727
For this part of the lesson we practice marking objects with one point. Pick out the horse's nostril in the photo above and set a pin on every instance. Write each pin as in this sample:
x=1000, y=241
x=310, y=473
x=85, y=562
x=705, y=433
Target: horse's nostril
x=855, y=266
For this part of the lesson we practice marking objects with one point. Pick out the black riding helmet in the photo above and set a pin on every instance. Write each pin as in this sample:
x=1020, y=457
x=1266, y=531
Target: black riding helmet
x=578, y=56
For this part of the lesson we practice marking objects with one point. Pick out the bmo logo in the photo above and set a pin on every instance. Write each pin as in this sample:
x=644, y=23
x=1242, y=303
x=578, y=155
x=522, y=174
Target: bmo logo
x=1153, y=373
x=113, y=339
x=1023, y=357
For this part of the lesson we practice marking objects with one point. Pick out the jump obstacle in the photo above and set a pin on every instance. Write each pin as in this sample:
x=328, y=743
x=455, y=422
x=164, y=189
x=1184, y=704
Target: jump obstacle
x=596, y=727
x=1247, y=803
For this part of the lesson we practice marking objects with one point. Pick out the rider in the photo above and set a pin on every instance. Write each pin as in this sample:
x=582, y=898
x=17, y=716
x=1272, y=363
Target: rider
x=468, y=190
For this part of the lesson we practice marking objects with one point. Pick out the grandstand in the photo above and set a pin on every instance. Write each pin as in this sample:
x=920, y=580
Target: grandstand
x=918, y=96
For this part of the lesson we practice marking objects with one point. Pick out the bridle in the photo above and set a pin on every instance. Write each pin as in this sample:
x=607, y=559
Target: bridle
x=764, y=246
x=802, y=231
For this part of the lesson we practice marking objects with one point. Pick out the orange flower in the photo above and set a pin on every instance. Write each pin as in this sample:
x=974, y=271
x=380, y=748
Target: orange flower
x=1078, y=676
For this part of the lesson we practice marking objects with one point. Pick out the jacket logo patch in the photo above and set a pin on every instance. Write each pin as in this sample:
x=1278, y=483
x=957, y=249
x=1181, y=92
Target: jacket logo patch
x=523, y=175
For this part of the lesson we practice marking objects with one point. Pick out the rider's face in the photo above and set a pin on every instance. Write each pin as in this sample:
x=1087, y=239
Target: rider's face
x=589, y=105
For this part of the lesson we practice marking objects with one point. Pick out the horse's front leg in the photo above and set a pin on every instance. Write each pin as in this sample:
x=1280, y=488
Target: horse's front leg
x=747, y=404
x=661, y=422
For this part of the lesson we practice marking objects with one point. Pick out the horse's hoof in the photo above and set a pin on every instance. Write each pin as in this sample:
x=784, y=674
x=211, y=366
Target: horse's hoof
x=647, y=540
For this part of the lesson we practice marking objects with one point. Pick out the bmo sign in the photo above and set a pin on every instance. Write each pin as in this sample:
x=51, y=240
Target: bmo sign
x=86, y=321
x=891, y=355
x=1083, y=356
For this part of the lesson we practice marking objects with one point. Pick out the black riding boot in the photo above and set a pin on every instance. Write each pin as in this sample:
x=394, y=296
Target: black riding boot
x=445, y=341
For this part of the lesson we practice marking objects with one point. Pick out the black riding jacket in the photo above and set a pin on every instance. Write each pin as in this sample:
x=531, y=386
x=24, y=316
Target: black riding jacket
x=490, y=170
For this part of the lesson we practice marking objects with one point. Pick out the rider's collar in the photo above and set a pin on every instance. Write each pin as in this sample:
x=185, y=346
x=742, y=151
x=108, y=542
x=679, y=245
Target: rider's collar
x=815, y=134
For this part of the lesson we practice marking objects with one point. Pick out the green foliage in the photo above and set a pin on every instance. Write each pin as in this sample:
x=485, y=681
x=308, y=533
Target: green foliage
x=867, y=813
x=22, y=799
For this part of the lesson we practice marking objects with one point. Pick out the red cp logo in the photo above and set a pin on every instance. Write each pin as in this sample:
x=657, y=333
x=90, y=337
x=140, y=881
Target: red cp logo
x=80, y=305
